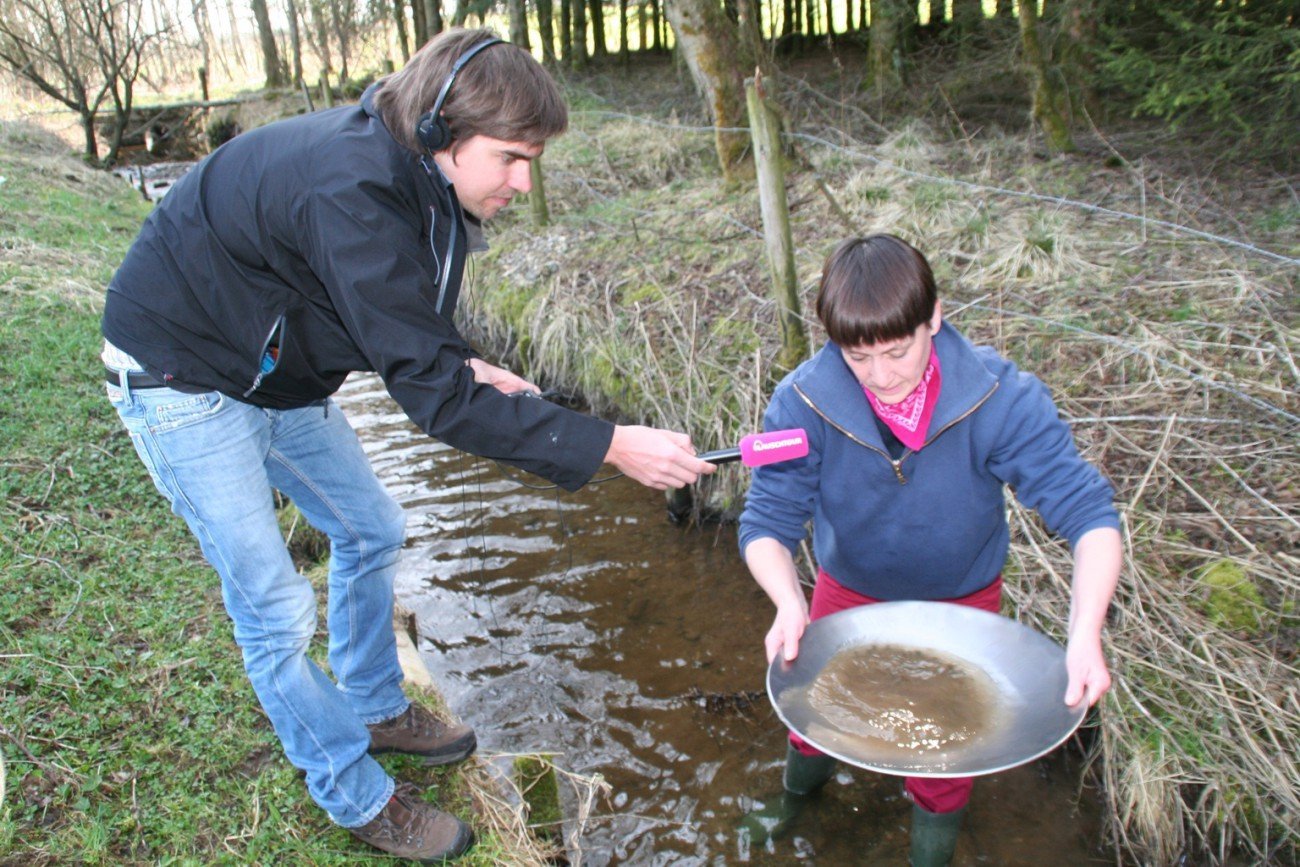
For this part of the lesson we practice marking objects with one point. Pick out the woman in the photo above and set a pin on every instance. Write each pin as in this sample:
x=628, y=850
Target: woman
x=913, y=434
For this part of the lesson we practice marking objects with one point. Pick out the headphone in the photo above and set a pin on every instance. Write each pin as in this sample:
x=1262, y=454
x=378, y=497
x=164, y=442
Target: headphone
x=431, y=129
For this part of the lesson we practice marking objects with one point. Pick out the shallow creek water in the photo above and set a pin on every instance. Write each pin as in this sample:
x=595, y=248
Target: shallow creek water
x=588, y=626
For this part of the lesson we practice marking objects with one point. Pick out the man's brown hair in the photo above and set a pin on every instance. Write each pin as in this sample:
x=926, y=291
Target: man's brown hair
x=502, y=92
x=875, y=289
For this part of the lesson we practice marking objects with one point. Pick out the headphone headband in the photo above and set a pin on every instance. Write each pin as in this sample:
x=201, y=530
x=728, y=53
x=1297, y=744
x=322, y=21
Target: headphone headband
x=432, y=130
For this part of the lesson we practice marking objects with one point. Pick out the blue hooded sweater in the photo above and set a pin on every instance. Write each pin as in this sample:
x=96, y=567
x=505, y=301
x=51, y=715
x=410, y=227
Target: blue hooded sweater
x=931, y=524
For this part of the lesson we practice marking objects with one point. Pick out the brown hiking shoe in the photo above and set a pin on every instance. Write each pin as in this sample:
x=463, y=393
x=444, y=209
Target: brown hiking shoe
x=420, y=733
x=409, y=828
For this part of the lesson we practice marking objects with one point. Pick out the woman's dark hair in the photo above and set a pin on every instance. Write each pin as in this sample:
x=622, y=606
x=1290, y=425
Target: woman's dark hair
x=875, y=289
x=502, y=92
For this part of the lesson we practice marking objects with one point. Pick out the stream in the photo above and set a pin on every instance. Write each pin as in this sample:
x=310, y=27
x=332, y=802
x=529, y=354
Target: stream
x=589, y=627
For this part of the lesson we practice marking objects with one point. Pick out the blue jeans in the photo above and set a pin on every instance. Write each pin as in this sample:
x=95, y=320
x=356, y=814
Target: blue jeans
x=217, y=461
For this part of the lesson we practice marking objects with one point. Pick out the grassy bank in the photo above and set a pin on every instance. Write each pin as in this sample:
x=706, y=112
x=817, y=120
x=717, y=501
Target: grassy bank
x=128, y=731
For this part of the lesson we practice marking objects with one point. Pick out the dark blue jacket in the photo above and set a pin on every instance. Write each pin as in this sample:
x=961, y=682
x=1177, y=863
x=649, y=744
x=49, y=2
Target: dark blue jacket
x=325, y=236
x=932, y=524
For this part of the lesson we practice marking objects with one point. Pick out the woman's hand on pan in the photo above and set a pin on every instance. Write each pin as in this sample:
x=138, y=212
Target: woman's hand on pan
x=1085, y=664
x=787, y=628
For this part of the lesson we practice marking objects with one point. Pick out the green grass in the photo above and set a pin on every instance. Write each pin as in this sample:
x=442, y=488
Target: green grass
x=128, y=730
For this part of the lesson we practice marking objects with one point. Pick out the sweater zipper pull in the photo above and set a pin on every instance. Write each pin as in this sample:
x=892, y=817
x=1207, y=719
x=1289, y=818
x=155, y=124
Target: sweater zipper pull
x=898, y=471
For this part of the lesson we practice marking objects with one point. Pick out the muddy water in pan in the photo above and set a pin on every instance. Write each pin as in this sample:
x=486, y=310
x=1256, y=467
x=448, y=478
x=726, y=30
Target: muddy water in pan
x=900, y=701
x=588, y=626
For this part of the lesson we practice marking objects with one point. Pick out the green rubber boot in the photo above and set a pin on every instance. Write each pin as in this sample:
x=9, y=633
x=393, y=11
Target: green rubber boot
x=934, y=836
x=804, y=775
x=773, y=819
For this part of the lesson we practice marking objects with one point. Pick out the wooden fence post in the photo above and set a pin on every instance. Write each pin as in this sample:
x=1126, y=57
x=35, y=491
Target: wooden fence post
x=537, y=198
x=765, y=130
x=326, y=93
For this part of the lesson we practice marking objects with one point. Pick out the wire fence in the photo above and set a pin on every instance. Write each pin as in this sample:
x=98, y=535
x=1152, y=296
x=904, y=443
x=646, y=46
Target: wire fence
x=857, y=152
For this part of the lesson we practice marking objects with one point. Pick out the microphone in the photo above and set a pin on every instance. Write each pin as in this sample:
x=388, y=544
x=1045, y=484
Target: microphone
x=758, y=450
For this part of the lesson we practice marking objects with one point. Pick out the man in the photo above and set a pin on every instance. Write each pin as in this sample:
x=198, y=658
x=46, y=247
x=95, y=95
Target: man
x=293, y=255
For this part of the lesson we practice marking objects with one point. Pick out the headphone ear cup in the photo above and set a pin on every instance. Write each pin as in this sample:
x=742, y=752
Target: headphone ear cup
x=433, y=132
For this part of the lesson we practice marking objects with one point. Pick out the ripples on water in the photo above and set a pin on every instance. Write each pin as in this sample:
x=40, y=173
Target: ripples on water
x=588, y=626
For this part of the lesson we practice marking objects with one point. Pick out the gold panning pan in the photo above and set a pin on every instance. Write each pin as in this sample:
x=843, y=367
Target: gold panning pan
x=925, y=689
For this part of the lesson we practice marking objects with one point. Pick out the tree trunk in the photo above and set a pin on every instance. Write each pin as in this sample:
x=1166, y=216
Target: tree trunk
x=1050, y=104
x=270, y=54
x=566, y=32
x=419, y=25
x=885, y=46
x=519, y=23
x=716, y=57
x=967, y=20
x=399, y=20
x=236, y=44
x=432, y=18
x=121, y=117
x=342, y=31
x=579, y=33
x=624, y=50
x=1075, y=49
x=546, y=30
x=597, y=14
x=204, y=29
x=295, y=41
x=751, y=33
x=88, y=131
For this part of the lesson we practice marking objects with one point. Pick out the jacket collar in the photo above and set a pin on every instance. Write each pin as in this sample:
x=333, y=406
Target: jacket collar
x=829, y=386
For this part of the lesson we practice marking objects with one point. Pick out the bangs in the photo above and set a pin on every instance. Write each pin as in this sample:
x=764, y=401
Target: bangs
x=875, y=290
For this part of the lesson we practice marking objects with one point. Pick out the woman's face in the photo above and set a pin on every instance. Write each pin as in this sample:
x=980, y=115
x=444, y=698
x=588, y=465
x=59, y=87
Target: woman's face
x=892, y=369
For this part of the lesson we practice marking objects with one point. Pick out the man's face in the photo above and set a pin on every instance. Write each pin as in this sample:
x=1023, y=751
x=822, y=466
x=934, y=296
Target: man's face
x=488, y=172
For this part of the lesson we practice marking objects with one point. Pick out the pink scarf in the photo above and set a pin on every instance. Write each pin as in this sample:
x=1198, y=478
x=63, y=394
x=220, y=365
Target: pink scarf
x=909, y=419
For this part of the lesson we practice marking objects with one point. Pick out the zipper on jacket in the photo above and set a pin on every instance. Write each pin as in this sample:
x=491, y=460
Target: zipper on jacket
x=443, y=263
x=979, y=403
x=446, y=265
x=897, y=464
x=263, y=368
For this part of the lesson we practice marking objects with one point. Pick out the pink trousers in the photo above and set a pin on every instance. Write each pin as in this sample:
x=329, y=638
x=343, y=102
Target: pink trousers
x=937, y=795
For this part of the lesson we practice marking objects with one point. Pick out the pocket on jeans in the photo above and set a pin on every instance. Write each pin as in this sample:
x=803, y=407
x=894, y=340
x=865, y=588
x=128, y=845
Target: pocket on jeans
x=186, y=409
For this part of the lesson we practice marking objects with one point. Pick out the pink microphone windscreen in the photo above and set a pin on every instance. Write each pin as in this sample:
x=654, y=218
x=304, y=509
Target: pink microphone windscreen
x=757, y=450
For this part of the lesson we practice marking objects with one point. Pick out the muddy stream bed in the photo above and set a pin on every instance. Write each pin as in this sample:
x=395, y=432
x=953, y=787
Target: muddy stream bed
x=590, y=627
